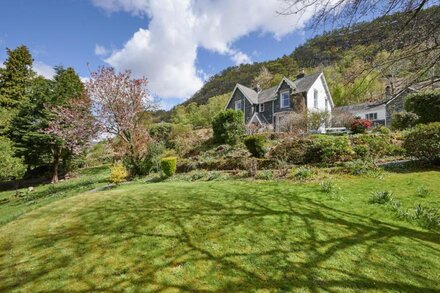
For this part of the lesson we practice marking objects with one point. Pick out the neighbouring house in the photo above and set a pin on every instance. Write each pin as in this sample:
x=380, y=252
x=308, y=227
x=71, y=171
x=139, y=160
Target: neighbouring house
x=267, y=108
x=380, y=113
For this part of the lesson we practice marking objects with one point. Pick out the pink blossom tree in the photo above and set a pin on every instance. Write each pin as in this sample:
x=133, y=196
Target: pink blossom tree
x=73, y=127
x=120, y=106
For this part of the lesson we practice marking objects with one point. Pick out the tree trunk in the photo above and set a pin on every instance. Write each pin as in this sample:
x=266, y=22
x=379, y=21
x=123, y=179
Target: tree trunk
x=56, y=164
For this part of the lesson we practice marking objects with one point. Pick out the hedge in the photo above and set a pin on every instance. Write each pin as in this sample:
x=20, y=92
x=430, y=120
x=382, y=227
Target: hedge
x=169, y=166
x=423, y=142
x=425, y=104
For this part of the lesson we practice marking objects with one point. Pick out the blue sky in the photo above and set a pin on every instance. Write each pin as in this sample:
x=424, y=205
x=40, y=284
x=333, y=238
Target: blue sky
x=174, y=43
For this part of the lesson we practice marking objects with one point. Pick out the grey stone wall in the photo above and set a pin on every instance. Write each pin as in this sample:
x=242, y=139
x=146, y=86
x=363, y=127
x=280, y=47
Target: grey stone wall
x=395, y=106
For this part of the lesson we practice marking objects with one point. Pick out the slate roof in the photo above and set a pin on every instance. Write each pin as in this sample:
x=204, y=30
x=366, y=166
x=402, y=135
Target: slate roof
x=300, y=85
x=366, y=106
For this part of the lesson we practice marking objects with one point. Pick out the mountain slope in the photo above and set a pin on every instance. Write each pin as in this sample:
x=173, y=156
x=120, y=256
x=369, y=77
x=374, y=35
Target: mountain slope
x=323, y=50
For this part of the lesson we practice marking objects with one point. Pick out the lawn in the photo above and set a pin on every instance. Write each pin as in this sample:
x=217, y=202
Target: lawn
x=226, y=236
x=12, y=207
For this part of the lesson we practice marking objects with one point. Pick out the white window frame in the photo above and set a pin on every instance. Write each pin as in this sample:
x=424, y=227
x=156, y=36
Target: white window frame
x=373, y=115
x=261, y=108
x=239, y=102
x=282, y=99
x=315, y=98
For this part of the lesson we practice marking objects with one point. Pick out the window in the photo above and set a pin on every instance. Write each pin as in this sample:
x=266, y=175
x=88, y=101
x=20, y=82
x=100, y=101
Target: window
x=285, y=99
x=315, y=98
x=261, y=108
x=371, y=116
x=239, y=105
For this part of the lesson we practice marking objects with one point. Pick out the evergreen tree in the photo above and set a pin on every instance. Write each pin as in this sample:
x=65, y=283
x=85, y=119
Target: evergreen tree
x=27, y=127
x=16, y=77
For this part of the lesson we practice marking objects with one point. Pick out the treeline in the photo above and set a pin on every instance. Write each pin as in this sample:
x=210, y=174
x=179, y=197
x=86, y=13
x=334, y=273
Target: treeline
x=346, y=49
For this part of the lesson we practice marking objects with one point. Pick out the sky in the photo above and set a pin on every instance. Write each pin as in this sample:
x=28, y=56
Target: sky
x=176, y=44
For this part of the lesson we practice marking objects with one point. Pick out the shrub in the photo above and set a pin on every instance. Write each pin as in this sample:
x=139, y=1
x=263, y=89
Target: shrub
x=333, y=149
x=360, y=125
x=427, y=217
x=328, y=187
x=228, y=127
x=10, y=167
x=169, y=166
x=378, y=145
x=251, y=166
x=381, y=129
x=404, y=120
x=380, y=197
x=255, y=145
x=151, y=162
x=423, y=142
x=358, y=167
x=294, y=150
x=425, y=104
x=265, y=175
x=118, y=173
x=302, y=173
x=162, y=132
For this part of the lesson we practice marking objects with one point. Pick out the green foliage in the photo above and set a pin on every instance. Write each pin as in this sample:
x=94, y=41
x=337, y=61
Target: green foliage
x=67, y=86
x=199, y=116
x=255, y=145
x=423, y=142
x=372, y=145
x=380, y=197
x=333, y=148
x=118, y=173
x=425, y=104
x=27, y=126
x=422, y=191
x=265, y=175
x=151, y=162
x=99, y=154
x=328, y=186
x=15, y=77
x=404, y=120
x=228, y=127
x=162, y=132
x=360, y=125
x=302, y=173
x=294, y=150
x=168, y=166
x=10, y=166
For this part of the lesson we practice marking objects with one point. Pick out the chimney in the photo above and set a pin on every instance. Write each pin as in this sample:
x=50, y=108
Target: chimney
x=257, y=88
x=388, y=92
x=301, y=75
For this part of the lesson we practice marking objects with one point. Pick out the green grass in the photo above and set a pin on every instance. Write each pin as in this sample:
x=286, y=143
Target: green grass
x=12, y=207
x=226, y=236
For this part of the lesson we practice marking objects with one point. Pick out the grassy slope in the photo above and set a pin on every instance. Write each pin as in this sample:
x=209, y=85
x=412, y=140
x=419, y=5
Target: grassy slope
x=225, y=236
x=12, y=207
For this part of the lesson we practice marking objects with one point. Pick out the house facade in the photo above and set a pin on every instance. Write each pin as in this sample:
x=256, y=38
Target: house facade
x=380, y=113
x=267, y=108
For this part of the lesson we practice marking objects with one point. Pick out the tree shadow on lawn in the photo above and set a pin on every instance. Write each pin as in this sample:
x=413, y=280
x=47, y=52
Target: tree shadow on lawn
x=220, y=242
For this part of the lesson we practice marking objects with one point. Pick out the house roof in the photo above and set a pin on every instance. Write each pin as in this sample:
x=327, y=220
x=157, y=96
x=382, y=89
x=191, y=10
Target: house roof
x=299, y=85
x=366, y=106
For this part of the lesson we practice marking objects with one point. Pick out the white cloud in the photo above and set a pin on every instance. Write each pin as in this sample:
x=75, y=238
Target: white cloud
x=166, y=51
x=101, y=50
x=43, y=69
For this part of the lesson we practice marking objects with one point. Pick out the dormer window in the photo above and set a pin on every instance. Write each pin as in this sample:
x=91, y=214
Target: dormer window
x=285, y=99
x=261, y=108
x=239, y=105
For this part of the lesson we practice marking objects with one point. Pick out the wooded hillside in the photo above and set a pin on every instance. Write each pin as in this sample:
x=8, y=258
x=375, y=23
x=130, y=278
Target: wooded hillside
x=343, y=49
